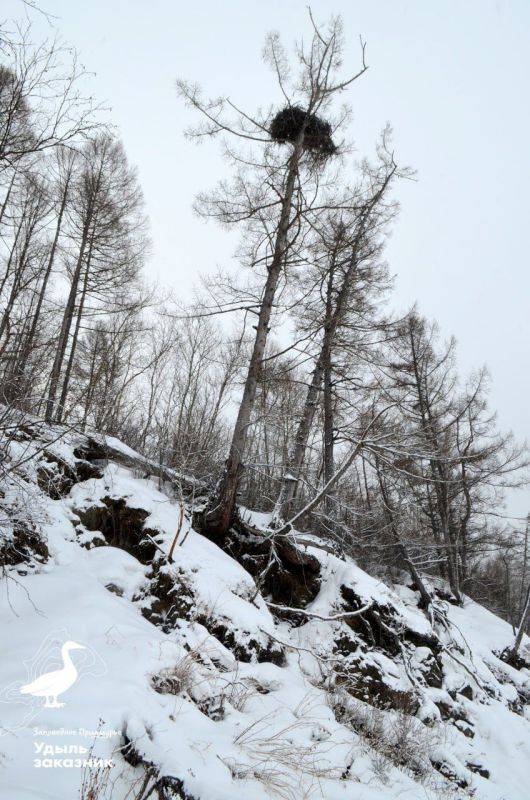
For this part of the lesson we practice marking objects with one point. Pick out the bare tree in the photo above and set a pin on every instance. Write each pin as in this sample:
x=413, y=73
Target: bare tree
x=64, y=167
x=344, y=274
x=23, y=264
x=271, y=195
x=450, y=458
x=108, y=228
x=41, y=102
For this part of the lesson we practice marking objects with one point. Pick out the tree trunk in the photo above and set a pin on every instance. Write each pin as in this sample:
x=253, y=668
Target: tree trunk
x=219, y=513
x=333, y=318
x=522, y=624
x=65, y=326
x=19, y=271
x=73, y=347
x=8, y=195
x=439, y=476
x=400, y=545
x=91, y=382
x=294, y=465
x=28, y=345
x=328, y=456
x=525, y=562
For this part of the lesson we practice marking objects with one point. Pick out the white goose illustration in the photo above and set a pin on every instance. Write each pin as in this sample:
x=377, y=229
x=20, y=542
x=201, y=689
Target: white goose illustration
x=52, y=684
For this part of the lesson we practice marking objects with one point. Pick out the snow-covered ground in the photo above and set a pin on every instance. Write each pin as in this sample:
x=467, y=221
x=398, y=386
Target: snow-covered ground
x=192, y=669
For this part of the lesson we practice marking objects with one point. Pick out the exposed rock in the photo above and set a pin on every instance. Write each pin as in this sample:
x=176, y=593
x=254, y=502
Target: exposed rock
x=467, y=692
x=428, y=665
x=122, y=526
x=86, y=471
x=379, y=628
x=23, y=546
x=374, y=625
x=92, y=450
x=292, y=578
x=170, y=788
x=345, y=644
x=248, y=650
x=478, y=769
x=111, y=587
x=515, y=660
x=54, y=477
x=168, y=599
x=454, y=713
x=364, y=681
x=165, y=787
x=213, y=707
x=446, y=770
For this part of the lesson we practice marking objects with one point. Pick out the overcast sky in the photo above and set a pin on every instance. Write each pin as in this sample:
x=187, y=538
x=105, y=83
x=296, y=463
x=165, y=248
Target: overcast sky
x=452, y=78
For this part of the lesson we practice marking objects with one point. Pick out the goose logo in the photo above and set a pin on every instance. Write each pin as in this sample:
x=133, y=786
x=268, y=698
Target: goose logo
x=52, y=684
x=57, y=665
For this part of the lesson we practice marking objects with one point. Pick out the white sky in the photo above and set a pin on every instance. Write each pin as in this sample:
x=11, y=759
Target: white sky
x=451, y=76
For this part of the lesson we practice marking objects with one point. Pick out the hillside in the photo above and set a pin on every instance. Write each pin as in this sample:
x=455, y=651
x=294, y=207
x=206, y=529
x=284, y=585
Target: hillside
x=196, y=685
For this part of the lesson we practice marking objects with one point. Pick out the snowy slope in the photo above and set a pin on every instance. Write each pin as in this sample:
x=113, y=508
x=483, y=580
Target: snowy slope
x=188, y=672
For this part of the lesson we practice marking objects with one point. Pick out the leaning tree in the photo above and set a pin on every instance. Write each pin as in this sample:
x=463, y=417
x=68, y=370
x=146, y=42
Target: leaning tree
x=273, y=191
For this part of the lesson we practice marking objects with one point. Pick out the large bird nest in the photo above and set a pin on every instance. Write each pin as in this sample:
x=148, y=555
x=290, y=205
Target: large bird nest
x=289, y=123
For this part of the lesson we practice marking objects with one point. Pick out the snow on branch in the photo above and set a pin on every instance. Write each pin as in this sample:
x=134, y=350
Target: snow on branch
x=313, y=615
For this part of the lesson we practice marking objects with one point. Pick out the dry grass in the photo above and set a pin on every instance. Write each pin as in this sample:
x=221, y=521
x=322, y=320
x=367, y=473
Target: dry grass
x=238, y=693
x=287, y=769
x=391, y=738
x=179, y=678
x=95, y=783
